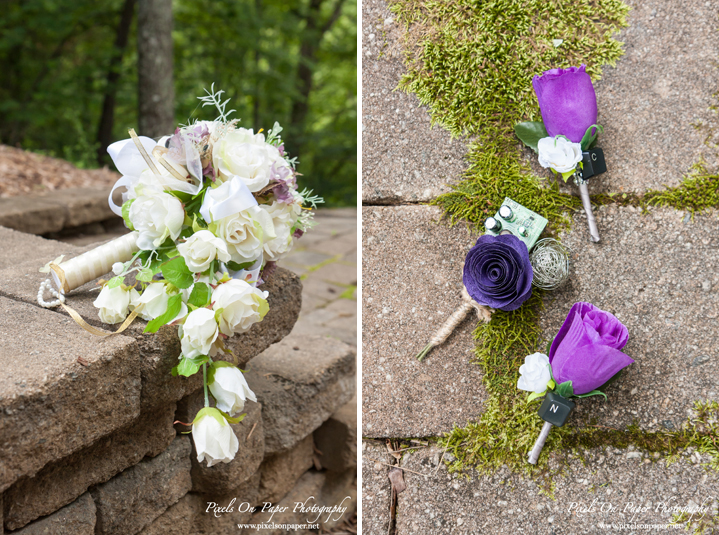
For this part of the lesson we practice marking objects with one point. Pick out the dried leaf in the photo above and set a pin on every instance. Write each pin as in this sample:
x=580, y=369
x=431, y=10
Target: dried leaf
x=396, y=478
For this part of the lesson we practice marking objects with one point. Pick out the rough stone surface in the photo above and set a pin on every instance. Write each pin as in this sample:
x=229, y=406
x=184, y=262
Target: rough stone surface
x=339, y=490
x=282, y=470
x=225, y=478
x=136, y=497
x=412, y=281
x=159, y=352
x=300, y=382
x=659, y=274
x=19, y=247
x=40, y=214
x=376, y=490
x=337, y=439
x=306, y=491
x=404, y=158
x=78, y=518
x=442, y=503
x=53, y=404
x=60, y=482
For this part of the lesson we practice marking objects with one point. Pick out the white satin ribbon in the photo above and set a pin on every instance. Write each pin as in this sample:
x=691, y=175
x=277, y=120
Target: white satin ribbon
x=127, y=157
x=230, y=198
x=126, y=182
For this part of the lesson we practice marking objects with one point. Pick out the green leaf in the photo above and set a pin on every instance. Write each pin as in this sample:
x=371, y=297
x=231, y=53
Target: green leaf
x=195, y=225
x=218, y=313
x=535, y=395
x=174, y=305
x=530, y=133
x=551, y=385
x=234, y=266
x=592, y=393
x=210, y=411
x=200, y=295
x=235, y=420
x=188, y=367
x=145, y=275
x=115, y=282
x=126, y=213
x=565, y=389
x=177, y=272
x=590, y=137
x=567, y=174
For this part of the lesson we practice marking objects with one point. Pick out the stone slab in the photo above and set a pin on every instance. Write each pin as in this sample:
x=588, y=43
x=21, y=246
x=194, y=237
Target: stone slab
x=300, y=382
x=507, y=503
x=337, y=439
x=659, y=274
x=225, y=478
x=404, y=158
x=282, y=470
x=376, y=491
x=412, y=280
x=19, y=247
x=159, y=352
x=339, y=491
x=78, y=518
x=52, y=403
x=40, y=214
x=136, y=497
x=62, y=481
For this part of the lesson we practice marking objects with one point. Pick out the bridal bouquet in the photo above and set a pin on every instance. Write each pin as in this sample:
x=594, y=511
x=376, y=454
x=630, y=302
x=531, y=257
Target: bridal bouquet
x=212, y=207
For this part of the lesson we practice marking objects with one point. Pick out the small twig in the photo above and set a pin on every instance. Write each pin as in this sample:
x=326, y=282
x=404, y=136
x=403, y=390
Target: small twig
x=395, y=466
x=440, y=460
x=250, y=433
x=410, y=448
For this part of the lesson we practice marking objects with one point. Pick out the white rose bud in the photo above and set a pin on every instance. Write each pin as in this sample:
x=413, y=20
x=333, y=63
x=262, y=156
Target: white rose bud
x=230, y=389
x=199, y=333
x=284, y=216
x=559, y=153
x=118, y=267
x=214, y=439
x=242, y=306
x=245, y=233
x=242, y=153
x=156, y=218
x=154, y=300
x=201, y=249
x=112, y=304
x=534, y=373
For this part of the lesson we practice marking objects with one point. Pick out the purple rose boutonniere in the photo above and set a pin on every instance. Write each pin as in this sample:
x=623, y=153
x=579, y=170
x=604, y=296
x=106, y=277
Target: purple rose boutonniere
x=584, y=358
x=565, y=140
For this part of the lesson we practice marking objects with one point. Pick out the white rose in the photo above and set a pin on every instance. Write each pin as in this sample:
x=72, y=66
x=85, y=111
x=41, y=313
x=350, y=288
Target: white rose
x=245, y=233
x=199, y=333
x=284, y=216
x=154, y=300
x=559, y=153
x=230, y=389
x=156, y=217
x=201, y=249
x=534, y=373
x=214, y=439
x=113, y=304
x=242, y=153
x=242, y=306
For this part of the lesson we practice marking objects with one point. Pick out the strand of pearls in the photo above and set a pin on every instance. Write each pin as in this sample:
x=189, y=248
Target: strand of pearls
x=47, y=285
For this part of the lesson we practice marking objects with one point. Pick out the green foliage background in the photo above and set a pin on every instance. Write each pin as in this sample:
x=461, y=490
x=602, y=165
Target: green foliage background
x=55, y=55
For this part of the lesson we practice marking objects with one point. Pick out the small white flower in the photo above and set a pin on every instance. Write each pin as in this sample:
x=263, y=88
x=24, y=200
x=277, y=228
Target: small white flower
x=284, y=216
x=113, y=304
x=242, y=306
x=230, y=389
x=214, y=439
x=559, y=153
x=534, y=373
x=156, y=217
x=154, y=299
x=245, y=233
x=199, y=333
x=201, y=249
x=118, y=267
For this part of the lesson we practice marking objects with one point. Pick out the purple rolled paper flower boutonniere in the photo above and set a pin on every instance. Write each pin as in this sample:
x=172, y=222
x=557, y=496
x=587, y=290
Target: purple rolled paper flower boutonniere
x=584, y=358
x=565, y=139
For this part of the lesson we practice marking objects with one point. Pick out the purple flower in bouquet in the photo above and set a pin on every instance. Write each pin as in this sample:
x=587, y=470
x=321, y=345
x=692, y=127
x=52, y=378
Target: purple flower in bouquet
x=567, y=101
x=497, y=272
x=587, y=348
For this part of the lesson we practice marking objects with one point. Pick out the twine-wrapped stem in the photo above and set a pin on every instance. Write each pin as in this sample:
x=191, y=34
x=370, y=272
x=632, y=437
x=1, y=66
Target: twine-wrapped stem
x=483, y=314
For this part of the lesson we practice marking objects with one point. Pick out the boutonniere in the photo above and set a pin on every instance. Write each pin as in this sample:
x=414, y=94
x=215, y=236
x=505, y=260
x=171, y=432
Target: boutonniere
x=565, y=140
x=584, y=358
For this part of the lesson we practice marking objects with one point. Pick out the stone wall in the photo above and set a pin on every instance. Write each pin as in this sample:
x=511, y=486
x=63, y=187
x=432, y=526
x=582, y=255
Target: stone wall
x=88, y=443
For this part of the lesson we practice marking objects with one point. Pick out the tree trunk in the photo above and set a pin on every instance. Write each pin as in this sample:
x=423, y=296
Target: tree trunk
x=156, y=93
x=107, y=119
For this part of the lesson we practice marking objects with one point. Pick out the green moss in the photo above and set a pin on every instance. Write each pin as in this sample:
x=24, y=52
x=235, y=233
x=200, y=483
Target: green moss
x=698, y=191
